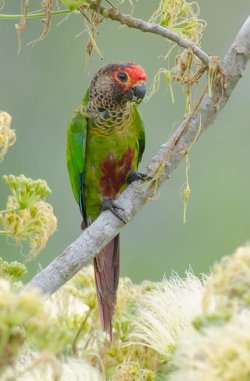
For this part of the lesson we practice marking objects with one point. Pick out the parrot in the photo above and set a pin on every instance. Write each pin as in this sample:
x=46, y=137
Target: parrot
x=105, y=143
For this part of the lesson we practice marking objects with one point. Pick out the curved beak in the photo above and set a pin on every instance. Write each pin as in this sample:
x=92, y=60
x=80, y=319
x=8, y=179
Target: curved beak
x=139, y=92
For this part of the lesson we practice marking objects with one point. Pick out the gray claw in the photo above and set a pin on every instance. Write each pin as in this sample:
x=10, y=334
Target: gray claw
x=134, y=176
x=112, y=207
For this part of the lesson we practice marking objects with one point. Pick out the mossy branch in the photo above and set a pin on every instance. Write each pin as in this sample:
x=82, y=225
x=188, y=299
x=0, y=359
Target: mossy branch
x=34, y=15
x=144, y=26
x=106, y=226
x=113, y=13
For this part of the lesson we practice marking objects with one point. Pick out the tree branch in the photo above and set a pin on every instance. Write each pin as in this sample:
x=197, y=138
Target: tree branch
x=131, y=22
x=106, y=226
x=144, y=26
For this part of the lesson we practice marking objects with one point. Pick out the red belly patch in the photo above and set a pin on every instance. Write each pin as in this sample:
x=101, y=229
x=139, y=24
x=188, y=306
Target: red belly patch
x=115, y=172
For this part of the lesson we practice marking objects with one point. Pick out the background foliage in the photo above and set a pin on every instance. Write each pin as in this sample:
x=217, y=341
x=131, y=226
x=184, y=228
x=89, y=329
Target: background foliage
x=42, y=86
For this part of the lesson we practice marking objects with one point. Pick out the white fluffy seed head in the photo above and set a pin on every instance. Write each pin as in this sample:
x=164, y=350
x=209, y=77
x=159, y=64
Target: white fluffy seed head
x=219, y=352
x=229, y=283
x=167, y=311
x=32, y=366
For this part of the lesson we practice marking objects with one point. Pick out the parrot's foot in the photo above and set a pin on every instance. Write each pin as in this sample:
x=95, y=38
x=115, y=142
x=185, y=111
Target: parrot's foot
x=113, y=208
x=134, y=176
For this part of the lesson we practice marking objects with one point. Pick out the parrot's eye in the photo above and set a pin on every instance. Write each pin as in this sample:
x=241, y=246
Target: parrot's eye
x=122, y=76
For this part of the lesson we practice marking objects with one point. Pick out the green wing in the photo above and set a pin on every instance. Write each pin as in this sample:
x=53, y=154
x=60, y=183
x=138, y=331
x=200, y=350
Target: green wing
x=76, y=146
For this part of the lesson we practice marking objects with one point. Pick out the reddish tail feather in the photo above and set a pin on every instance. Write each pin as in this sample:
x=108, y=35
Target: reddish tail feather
x=107, y=266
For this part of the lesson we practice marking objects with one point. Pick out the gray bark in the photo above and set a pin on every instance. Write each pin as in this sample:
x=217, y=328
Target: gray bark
x=106, y=226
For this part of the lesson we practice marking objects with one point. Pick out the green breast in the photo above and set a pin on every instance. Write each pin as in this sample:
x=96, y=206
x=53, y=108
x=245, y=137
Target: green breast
x=111, y=152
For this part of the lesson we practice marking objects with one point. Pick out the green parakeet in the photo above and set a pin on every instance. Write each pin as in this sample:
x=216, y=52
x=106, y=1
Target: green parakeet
x=105, y=143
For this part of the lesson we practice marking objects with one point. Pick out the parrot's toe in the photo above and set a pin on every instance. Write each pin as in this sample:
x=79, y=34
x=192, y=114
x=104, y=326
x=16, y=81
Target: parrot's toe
x=110, y=205
x=134, y=176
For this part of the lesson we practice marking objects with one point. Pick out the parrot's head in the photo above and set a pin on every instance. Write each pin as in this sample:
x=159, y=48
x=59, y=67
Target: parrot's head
x=118, y=84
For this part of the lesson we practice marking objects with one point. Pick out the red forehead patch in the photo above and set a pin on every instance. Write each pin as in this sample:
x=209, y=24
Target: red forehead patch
x=136, y=73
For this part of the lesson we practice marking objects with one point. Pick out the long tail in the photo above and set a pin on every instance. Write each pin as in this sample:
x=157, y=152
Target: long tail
x=107, y=266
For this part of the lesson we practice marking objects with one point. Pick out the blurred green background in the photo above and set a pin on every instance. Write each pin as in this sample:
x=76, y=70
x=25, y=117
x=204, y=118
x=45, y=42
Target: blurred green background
x=40, y=88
